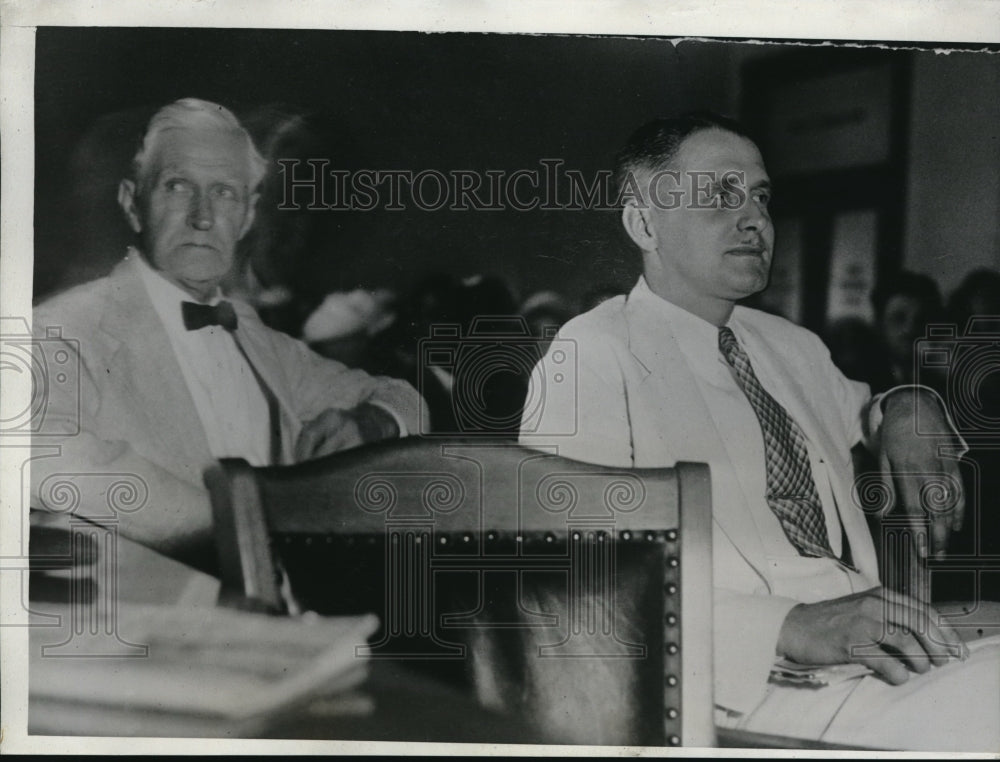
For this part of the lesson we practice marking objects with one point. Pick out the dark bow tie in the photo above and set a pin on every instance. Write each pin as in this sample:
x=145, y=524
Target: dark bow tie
x=200, y=315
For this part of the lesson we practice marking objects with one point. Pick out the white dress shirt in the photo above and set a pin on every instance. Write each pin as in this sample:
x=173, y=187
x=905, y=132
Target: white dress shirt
x=226, y=393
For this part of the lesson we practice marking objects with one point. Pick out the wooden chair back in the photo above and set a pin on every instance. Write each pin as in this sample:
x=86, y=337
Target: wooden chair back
x=557, y=586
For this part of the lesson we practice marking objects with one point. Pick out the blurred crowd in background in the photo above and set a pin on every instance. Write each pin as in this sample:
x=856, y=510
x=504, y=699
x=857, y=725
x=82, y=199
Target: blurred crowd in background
x=468, y=344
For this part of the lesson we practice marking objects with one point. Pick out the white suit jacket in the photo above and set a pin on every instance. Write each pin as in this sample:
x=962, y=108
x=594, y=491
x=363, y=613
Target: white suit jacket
x=635, y=402
x=131, y=412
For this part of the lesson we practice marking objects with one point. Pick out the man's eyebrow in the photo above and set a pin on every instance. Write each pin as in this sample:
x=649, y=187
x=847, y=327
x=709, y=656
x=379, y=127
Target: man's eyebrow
x=169, y=169
x=762, y=185
x=179, y=171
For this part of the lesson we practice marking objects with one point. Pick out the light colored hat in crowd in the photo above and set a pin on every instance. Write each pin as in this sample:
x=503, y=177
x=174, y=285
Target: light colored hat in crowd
x=545, y=301
x=346, y=313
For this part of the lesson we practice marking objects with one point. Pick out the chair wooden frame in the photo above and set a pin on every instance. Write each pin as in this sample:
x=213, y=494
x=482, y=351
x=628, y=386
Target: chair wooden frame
x=437, y=506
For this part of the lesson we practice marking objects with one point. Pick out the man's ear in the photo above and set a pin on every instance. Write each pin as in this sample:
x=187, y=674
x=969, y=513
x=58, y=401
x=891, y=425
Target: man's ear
x=637, y=227
x=250, y=216
x=127, y=201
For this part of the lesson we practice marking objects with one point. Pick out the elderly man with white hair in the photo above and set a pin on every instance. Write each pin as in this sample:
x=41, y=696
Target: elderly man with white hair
x=174, y=376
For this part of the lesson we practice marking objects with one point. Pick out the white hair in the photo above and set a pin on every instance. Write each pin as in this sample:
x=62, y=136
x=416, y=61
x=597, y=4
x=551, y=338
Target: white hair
x=194, y=113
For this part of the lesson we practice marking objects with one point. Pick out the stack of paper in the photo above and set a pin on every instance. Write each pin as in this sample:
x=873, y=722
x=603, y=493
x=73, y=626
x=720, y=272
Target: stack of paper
x=813, y=675
x=205, y=672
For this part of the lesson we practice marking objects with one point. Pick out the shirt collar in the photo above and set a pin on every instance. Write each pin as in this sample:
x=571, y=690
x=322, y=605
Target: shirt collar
x=697, y=338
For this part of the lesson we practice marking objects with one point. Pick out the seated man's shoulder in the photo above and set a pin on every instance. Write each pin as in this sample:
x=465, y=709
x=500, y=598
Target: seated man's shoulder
x=74, y=308
x=774, y=327
x=599, y=337
x=250, y=319
x=606, y=320
x=247, y=312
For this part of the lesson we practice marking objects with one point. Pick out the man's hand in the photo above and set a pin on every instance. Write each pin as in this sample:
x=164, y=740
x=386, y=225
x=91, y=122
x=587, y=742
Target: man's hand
x=928, y=486
x=335, y=429
x=879, y=628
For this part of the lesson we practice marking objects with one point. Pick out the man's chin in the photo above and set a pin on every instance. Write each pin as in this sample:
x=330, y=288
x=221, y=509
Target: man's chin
x=750, y=286
x=199, y=287
x=201, y=275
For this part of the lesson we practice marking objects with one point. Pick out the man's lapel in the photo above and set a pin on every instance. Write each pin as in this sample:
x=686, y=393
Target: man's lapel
x=145, y=373
x=256, y=343
x=682, y=427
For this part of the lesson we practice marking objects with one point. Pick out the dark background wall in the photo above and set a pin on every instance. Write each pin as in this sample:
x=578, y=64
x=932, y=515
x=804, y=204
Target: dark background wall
x=395, y=100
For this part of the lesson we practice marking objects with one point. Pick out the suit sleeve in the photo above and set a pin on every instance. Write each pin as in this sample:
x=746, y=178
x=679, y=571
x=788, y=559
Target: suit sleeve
x=318, y=383
x=745, y=631
x=853, y=399
x=76, y=471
